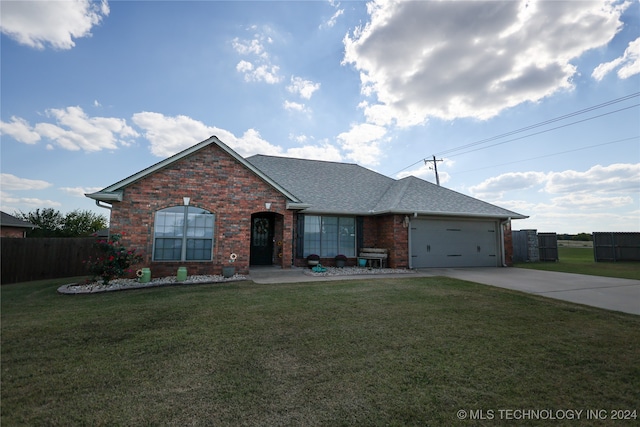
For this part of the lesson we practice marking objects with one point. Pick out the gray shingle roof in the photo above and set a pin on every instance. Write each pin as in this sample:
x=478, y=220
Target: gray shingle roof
x=345, y=188
x=7, y=220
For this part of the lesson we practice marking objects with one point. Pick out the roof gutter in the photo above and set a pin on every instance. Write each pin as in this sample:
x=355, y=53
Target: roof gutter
x=513, y=215
x=297, y=206
x=106, y=196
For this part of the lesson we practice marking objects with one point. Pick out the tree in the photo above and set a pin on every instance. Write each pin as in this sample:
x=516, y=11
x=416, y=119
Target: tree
x=48, y=220
x=51, y=223
x=583, y=237
x=82, y=223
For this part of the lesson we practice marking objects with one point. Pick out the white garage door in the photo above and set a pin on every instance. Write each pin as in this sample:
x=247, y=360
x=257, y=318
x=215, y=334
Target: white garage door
x=454, y=243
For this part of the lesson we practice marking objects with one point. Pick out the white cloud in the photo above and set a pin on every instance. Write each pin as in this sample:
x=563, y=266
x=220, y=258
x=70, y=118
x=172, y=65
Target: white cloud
x=56, y=23
x=247, y=47
x=12, y=182
x=265, y=73
x=295, y=106
x=334, y=18
x=303, y=88
x=10, y=203
x=603, y=181
x=472, y=59
x=571, y=201
x=20, y=130
x=169, y=135
x=244, y=67
x=362, y=143
x=495, y=187
x=582, y=221
x=600, y=179
x=74, y=130
x=377, y=114
x=629, y=63
x=80, y=191
x=589, y=200
x=298, y=138
x=325, y=152
x=260, y=69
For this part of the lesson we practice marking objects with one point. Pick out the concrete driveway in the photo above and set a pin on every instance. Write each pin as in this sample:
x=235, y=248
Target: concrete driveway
x=604, y=292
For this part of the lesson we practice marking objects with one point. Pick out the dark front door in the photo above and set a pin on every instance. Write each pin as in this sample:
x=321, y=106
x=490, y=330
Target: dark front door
x=262, y=239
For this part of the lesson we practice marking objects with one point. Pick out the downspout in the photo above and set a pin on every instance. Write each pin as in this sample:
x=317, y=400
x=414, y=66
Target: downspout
x=503, y=257
x=102, y=206
x=106, y=207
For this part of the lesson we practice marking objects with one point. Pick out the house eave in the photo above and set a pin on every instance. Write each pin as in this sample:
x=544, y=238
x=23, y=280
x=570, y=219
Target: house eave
x=297, y=206
x=512, y=215
x=106, y=196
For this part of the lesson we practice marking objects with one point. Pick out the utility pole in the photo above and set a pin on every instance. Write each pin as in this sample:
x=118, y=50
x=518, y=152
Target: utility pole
x=435, y=167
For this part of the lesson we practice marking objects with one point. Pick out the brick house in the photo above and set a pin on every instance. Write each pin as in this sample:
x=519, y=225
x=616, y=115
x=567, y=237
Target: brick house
x=10, y=226
x=205, y=203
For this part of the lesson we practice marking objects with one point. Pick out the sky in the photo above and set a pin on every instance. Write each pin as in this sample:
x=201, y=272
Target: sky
x=529, y=105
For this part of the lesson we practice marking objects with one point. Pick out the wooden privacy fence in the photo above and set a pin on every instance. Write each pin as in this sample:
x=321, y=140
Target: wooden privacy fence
x=548, y=246
x=44, y=258
x=531, y=246
x=616, y=246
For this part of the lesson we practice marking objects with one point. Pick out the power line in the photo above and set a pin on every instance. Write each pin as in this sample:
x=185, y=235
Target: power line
x=546, y=122
x=546, y=130
x=552, y=154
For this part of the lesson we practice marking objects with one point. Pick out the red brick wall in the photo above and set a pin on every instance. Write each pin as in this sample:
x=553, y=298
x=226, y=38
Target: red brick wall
x=392, y=235
x=508, y=244
x=12, y=232
x=214, y=181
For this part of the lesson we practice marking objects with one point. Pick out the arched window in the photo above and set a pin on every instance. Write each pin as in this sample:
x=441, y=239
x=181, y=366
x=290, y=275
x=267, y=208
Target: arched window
x=183, y=233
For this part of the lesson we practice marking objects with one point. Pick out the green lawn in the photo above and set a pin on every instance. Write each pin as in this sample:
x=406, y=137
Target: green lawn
x=410, y=351
x=580, y=260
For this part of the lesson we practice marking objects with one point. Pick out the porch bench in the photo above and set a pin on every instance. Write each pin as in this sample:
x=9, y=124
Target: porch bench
x=374, y=254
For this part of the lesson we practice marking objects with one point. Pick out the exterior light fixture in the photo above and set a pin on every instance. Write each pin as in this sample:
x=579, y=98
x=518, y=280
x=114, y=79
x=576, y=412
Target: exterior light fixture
x=267, y=205
x=186, y=200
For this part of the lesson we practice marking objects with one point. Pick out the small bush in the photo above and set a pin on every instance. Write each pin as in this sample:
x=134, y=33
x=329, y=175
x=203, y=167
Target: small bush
x=115, y=260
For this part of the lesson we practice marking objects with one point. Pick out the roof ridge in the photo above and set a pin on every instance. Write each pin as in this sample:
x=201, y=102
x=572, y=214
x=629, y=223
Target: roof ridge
x=397, y=194
x=306, y=160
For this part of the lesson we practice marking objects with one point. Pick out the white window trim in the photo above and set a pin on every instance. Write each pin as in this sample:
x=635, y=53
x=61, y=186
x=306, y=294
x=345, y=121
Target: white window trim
x=183, y=249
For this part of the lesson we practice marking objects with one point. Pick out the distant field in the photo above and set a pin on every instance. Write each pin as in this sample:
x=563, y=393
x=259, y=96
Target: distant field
x=580, y=260
x=574, y=244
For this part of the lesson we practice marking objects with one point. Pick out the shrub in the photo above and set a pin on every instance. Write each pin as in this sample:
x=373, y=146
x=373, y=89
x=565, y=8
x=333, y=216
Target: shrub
x=114, y=260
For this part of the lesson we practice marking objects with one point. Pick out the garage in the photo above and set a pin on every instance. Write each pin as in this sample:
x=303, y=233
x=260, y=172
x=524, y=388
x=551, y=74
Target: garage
x=454, y=243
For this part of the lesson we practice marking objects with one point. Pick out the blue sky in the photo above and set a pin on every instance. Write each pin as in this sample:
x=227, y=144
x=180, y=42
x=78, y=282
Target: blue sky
x=531, y=105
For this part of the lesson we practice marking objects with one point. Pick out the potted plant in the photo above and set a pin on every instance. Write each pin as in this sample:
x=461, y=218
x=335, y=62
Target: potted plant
x=340, y=260
x=229, y=271
x=313, y=260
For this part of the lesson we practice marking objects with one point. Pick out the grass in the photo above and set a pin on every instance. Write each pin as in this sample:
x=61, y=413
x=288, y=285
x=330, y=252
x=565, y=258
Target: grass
x=392, y=352
x=580, y=260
